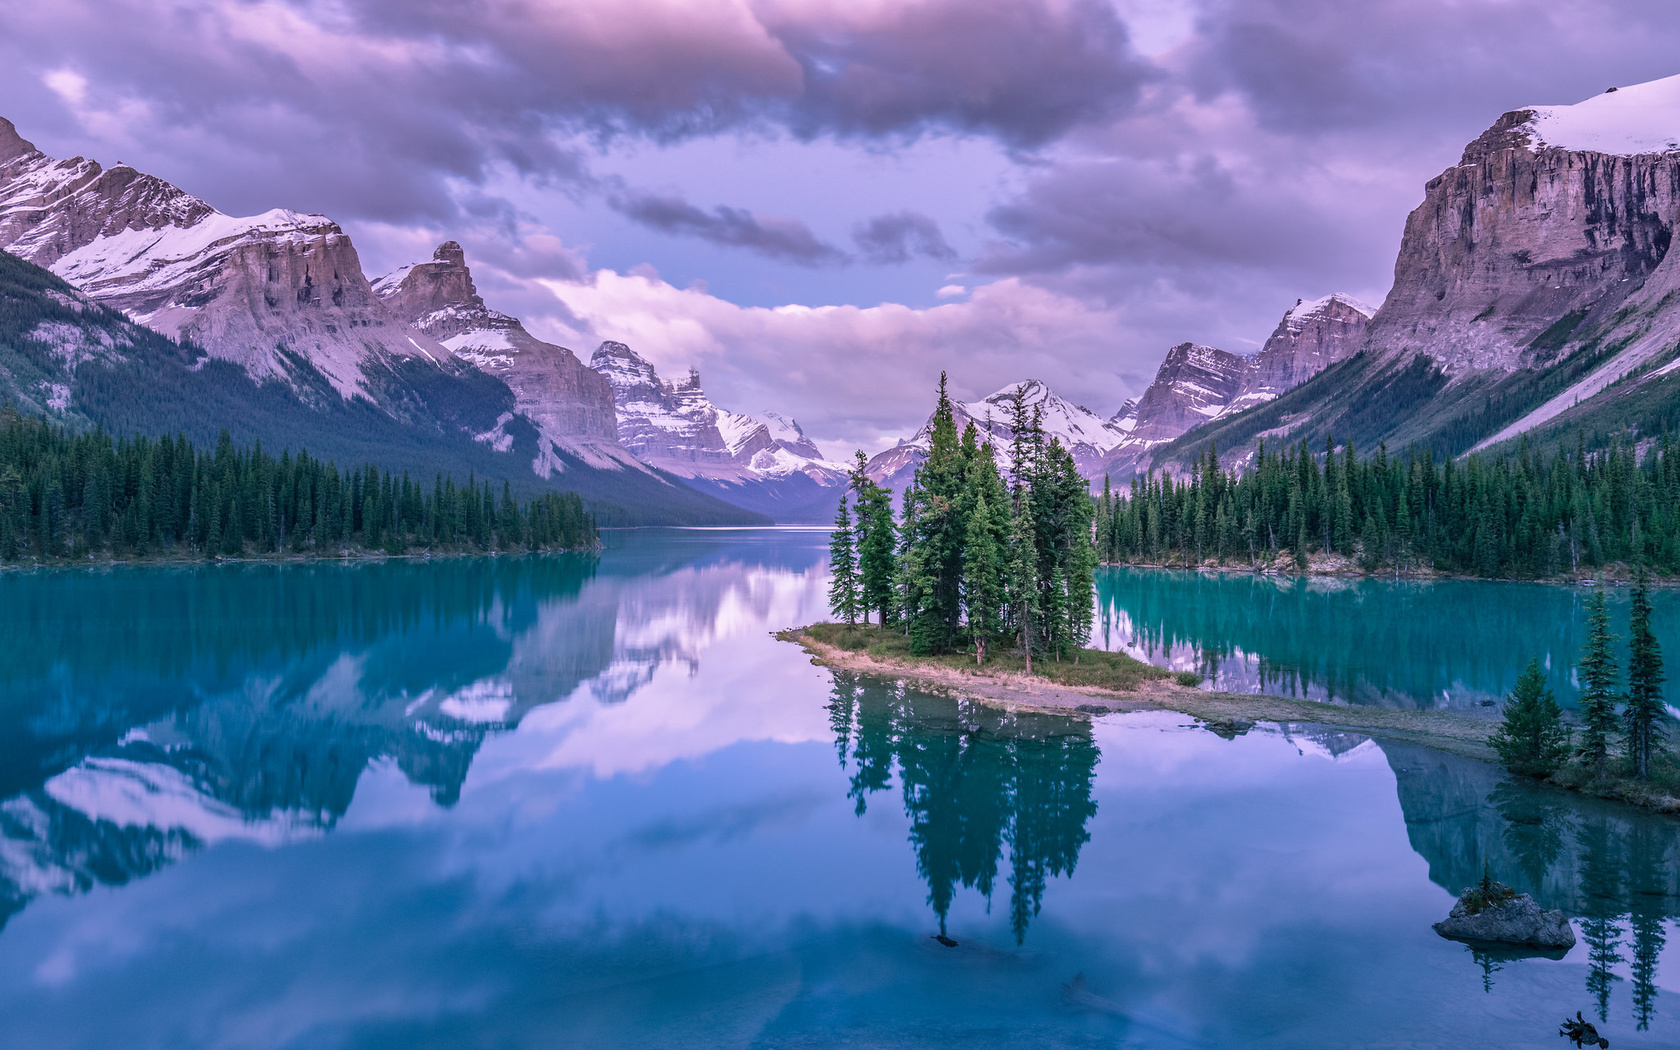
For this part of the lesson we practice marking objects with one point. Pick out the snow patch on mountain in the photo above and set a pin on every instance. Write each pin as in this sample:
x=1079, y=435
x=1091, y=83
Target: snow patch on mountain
x=1627, y=121
x=766, y=464
x=134, y=794
x=242, y=288
x=1087, y=436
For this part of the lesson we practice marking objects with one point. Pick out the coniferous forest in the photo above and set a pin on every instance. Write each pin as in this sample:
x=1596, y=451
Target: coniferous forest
x=973, y=559
x=1527, y=515
x=65, y=495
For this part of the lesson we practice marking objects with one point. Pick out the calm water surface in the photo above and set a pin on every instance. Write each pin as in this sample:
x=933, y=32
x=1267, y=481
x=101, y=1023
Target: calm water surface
x=591, y=802
x=1449, y=644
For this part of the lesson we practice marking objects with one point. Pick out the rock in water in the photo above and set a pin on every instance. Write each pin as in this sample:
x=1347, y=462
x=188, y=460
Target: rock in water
x=1507, y=918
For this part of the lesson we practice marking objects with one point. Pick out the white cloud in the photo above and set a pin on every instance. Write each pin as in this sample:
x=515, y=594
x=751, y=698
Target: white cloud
x=854, y=376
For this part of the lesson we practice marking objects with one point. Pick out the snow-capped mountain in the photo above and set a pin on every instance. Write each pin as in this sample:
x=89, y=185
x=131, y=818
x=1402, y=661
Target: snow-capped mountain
x=767, y=465
x=1197, y=384
x=570, y=403
x=1534, y=294
x=279, y=300
x=1082, y=432
x=256, y=290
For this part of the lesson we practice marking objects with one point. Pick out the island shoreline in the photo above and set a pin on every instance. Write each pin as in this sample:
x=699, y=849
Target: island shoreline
x=1463, y=735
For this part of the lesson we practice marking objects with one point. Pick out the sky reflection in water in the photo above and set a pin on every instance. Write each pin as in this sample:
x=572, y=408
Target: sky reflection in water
x=530, y=802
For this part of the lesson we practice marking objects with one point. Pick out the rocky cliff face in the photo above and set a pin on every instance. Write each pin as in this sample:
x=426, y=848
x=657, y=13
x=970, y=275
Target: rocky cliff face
x=767, y=465
x=1534, y=293
x=1517, y=236
x=1199, y=384
x=570, y=403
x=1194, y=384
x=1311, y=337
x=255, y=290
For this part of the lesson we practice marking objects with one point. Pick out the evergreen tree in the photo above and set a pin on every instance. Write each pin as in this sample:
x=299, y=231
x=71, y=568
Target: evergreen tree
x=984, y=573
x=1023, y=574
x=842, y=566
x=1644, y=696
x=877, y=545
x=1597, y=674
x=1532, y=740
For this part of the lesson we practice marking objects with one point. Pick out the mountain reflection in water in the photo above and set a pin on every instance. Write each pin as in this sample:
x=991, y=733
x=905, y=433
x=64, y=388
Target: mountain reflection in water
x=1612, y=868
x=150, y=712
x=504, y=801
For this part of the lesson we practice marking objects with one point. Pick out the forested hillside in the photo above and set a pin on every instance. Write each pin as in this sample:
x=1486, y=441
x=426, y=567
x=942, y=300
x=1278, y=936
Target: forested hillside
x=1524, y=515
x=65, y=495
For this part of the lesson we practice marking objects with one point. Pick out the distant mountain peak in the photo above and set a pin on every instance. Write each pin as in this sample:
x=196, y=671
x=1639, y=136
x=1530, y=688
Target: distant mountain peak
x=765, y=464
x=241, y=287
x=13, y=145
x=571, y=404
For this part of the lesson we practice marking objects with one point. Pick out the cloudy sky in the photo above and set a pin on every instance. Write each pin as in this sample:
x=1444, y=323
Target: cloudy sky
x=823, y=203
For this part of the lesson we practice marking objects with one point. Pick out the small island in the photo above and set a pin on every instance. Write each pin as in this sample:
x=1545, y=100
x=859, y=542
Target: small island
x=1096, y=681
x=983, y=584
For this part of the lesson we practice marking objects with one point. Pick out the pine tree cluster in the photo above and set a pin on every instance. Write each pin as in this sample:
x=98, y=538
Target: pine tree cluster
x=1533, y=740
x=973, y=559
x=65, y=495
x=1522, y=516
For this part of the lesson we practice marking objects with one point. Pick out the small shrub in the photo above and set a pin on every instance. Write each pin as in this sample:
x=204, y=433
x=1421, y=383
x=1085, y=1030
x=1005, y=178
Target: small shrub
x=1486, y=894
x=1533, y=740
x=1188, y=679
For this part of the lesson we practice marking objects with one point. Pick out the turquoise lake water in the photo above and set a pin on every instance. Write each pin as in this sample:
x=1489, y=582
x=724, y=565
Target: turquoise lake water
x=1456, y=644
x=590, y=801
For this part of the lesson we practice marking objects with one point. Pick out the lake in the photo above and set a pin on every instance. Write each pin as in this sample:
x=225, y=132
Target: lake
x=1456, y=644
x=590, y=801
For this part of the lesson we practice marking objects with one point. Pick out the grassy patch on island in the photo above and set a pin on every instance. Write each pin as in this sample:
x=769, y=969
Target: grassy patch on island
x=1088, y=668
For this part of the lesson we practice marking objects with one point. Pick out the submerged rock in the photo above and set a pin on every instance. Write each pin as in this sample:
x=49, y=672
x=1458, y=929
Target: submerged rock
x=1496, y=914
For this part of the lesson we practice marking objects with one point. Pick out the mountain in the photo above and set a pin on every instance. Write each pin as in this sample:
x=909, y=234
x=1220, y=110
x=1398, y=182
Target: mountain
x=570, y=403
x=764, y=465
x=1534, y=294
x=1082, y=432
x=1311, y=337
x=267, y=292
x=269, y=328
x=1198, y=384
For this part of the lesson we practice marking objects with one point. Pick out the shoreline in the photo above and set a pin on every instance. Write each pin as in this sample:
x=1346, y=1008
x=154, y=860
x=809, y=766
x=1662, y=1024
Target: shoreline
x=198, y=561
x=1614, y=575
x=1224, y=713
x=1463, y=735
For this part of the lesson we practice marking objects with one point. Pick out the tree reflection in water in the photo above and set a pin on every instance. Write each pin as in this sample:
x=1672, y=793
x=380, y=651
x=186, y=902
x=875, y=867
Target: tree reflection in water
x=1614, y=869
x=974, y=779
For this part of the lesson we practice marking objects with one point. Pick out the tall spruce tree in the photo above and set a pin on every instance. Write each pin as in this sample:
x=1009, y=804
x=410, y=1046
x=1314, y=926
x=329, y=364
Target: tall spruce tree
x=1644, y=712
x=934, y=530
x=983, y=578
x=1532, y=741
x=1023, y=574
x=877, y=545
x=1598, y=678
x=843, y=593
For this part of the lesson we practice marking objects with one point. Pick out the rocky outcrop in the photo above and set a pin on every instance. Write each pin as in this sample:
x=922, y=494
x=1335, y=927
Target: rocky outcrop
x=263, y=291
x=767, y=465
x=570, y=403
x=1311, y=337
x=1197, y=385
x=1517, y=236
x=1506, y=917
